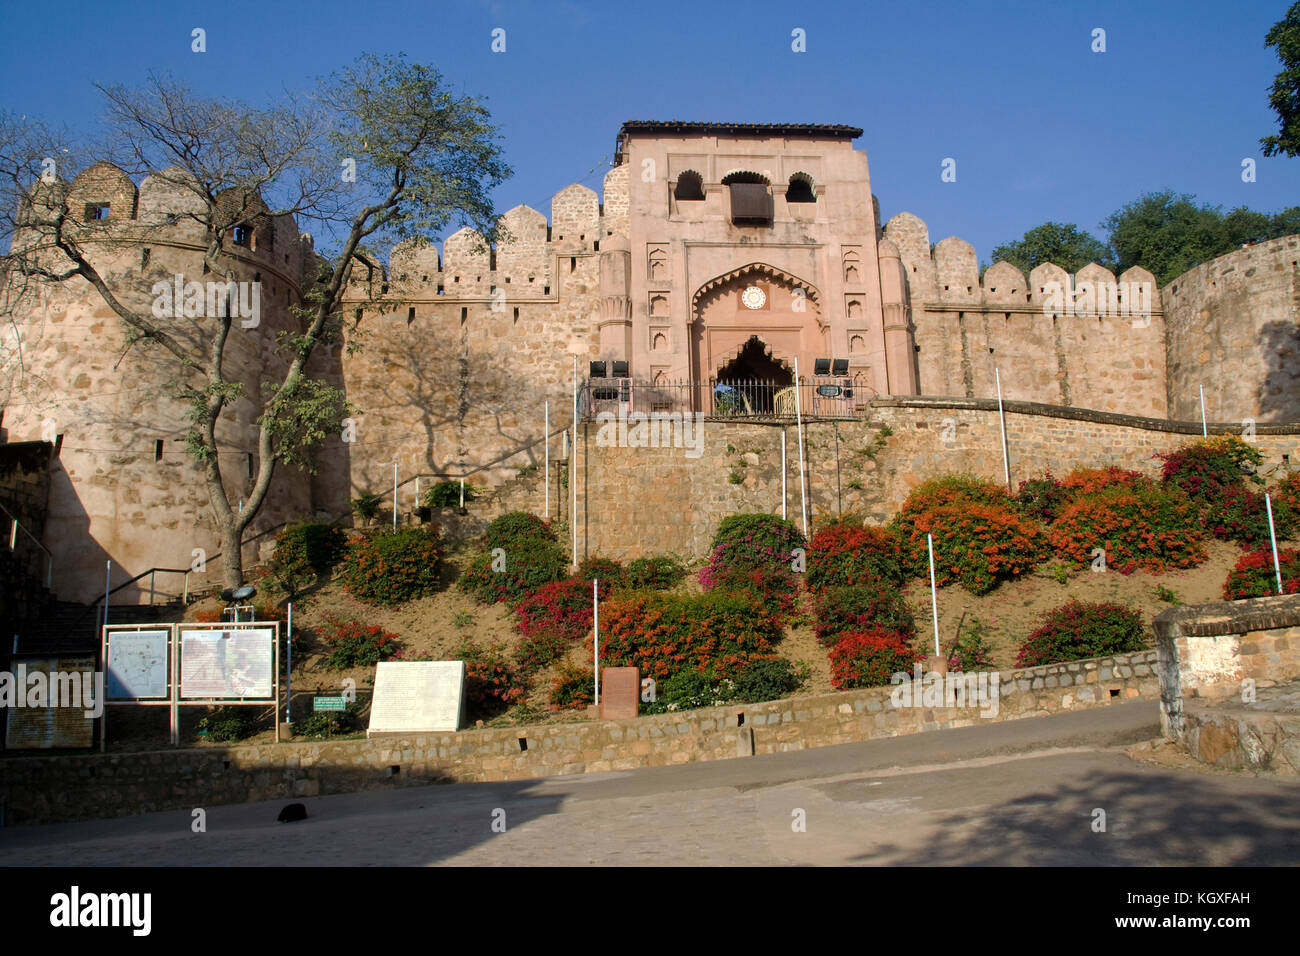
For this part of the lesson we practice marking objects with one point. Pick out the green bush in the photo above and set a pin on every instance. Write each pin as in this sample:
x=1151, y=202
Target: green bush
x=529, y=563
x=509, y=529
x=769, y=680
x=660, y=573
x=690, y=689
x=1206, y=468
x=606, y=570
x=367, y=506
x=446, y=494
x=327, y=723
x=1080, y=630
x=317, y=544
x=227, y=724
x=391, y=567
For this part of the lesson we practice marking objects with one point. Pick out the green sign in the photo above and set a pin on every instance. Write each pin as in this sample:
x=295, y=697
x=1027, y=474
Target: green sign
x=329, y=703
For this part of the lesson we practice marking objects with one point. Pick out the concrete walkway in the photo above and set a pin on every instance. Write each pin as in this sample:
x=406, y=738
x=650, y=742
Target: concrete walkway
x=1023, y=793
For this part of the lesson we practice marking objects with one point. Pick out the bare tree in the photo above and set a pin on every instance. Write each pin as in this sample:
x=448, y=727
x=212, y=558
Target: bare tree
x=377, y=153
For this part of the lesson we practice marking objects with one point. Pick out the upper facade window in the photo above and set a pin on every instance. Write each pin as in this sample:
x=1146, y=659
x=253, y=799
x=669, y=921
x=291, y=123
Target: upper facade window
x=690, y=187
x=801, y=189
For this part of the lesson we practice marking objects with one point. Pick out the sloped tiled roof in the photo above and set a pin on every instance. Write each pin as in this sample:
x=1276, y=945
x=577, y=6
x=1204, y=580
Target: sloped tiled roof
x=778, y=129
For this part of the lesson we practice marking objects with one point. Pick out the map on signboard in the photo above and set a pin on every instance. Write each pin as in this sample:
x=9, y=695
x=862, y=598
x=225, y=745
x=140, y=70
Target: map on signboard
x=137, y=665
x=239, y=662
x=417, y=696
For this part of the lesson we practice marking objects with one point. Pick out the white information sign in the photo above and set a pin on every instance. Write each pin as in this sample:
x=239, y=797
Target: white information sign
x=239, y=662
x=417, y=696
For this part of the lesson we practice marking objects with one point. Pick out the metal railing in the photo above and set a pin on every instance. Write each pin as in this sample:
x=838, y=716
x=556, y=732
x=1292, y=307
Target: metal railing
x=820, y=397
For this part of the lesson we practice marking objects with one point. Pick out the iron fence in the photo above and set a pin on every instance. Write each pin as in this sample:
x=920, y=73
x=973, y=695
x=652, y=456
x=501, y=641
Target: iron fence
x=821, y=397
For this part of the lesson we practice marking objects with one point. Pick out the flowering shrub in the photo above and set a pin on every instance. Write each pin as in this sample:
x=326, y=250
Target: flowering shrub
x=1078, y=630
x=1042, y=498
x=1254, y=576
x=573, y=687
x=750, y=541
x=1150, y=529
x=515, y=526
x=1087, y=481
x=392, y=567
x=659, y=572
x=776, y=590
x=951, y=490
x=1243, y=516
x=604, y=570
x=353, y=644
x=971, y=651
x=870, y=658
x=841, y=554
x=721, y=631
x=491, y=683
x=974, y=543
x=1287, y=492
x=861, y=607
x=1206, y=468
x=558, y=607
x=534, y=653
x=526, y=565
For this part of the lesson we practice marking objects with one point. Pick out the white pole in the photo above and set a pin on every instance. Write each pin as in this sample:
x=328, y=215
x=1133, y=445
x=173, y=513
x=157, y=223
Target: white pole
x=1272, y=535
x=288, y=673
x=934, y=598
x=595, y=632
x=394, y=496
x=1205, y=431
x=462, y=491
x=1002, y=419
x=417, y=491
x=782, y=474
x=108, y=570
x=546, y=429
x=573, y=464
x=798, y=415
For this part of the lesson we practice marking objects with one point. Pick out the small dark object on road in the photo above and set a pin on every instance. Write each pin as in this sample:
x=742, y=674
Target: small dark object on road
x=292, y=813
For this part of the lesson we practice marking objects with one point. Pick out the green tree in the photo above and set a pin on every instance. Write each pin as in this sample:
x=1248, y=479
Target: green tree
x=1064, y=244
x=1284, y=37
x=378, y=153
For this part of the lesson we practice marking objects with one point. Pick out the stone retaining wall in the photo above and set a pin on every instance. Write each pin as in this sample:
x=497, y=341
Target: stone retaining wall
x=48, y=789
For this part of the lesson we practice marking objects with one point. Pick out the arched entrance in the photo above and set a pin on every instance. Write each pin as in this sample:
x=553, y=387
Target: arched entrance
x=751, y=379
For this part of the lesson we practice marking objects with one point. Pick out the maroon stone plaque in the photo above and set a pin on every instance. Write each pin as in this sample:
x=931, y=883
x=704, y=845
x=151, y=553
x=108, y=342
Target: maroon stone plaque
x=620, y=692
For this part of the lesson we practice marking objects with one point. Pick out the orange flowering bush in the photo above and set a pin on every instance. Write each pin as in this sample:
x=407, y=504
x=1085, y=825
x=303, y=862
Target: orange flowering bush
x=975, y=544
x=870, y=658
x=1149, y=529
x=720, y=632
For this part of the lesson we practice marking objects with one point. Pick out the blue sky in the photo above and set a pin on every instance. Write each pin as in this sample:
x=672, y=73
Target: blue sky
x=1041, y=127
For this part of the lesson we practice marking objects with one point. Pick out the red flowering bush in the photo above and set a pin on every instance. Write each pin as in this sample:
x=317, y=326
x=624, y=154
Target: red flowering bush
x=842, y=554
x=720, y=632
x=353, y=644
x=870, y=658
x=392, y=566
x=1079, y=630
x=1254, y=576
x=974, y=543
x=750, y=541
x=1150, y=529
x=492, y=683
x=1206, y=468
x=836, y=611
x=1242, y=516
x=573, y=687
x=1287, y=492
x=558, y=607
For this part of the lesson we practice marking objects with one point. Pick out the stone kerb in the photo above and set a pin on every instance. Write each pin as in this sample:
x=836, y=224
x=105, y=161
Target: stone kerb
x=1209, y=650
x=46, y=789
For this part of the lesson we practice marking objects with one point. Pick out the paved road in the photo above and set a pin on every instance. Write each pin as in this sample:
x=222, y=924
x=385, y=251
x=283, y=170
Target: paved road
x=1022, y=792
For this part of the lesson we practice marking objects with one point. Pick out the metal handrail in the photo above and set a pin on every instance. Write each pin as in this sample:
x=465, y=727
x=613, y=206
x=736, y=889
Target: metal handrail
x=13, y=536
